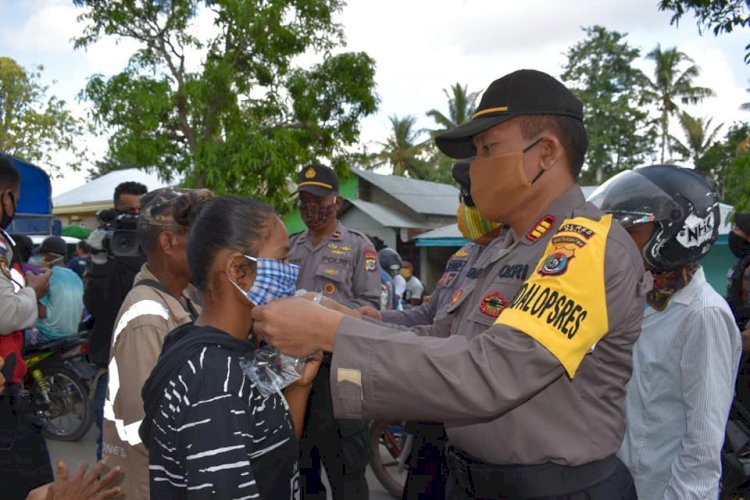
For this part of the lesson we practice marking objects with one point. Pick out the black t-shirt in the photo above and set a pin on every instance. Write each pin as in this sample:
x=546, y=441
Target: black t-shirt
x=210, y=433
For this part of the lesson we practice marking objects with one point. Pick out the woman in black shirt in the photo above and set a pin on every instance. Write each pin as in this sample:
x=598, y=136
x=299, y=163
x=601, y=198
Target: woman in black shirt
x=210, y=432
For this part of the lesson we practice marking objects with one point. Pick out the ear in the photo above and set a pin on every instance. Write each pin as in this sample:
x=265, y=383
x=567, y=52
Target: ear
x=238, y=270
x=339, y=202
x=166, y=242
x=550, y=152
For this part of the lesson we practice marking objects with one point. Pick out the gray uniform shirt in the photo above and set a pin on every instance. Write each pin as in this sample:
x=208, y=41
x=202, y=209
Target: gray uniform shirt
x=504, y=397
x=343, y=266
x=18, y=306
x=434, y=309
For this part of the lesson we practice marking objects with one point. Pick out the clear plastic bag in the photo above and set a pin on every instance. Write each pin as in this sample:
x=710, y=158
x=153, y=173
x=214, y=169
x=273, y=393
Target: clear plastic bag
x=272, y=371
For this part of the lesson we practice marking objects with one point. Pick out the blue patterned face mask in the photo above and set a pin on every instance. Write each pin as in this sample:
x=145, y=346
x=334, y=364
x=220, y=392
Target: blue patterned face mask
x=274, y=279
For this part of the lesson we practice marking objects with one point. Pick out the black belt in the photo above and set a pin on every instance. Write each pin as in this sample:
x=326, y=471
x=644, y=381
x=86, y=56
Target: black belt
x=482, y=480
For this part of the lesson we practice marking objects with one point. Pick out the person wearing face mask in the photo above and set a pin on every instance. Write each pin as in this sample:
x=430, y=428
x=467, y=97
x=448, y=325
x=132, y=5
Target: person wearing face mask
x=24, y=459
x=530, y=377
x=160, y=300
x=738, y=283
x=342, y=265
x=685, y=361
x=61, y=309
x=210, y=432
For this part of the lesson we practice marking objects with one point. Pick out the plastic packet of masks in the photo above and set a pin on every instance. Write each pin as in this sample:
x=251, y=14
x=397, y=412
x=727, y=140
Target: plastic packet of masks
x=270, y=370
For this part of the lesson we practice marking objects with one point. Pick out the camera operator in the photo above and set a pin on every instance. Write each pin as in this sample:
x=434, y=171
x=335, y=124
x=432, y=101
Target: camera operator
x=107, y=281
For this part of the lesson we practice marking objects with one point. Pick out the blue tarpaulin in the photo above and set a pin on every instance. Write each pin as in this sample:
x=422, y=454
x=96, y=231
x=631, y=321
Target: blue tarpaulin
x=34, y=211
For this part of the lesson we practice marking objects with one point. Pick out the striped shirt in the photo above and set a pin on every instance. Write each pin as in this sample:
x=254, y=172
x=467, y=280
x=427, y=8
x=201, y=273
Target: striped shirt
x=684, y=367
x=215, y=436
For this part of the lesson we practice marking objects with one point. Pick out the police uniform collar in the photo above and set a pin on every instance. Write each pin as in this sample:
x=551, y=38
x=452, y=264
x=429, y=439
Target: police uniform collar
x=548, y=221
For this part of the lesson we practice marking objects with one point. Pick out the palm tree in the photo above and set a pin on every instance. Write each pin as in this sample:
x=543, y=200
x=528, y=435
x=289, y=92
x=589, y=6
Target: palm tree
x=698, y=137
x=746, y=105
x=461, y=105
x=670, y=85
x=402, y=150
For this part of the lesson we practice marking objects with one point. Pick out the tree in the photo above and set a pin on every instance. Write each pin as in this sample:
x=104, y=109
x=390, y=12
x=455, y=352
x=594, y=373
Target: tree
x=245, y=118
x=720, y=16
x=671, y=84
x=32, y=126
x=698, y=137
x=600, y=72
x=461, y=106
x=403, y=150
x=726, y=162
x=745, y=106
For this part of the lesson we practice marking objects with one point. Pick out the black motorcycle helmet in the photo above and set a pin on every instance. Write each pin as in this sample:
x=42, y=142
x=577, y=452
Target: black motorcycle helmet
x=681, y=202
x=389, y=260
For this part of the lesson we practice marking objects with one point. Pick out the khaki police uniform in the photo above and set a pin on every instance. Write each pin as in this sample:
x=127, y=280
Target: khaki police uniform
x=539, y=352
x=147, y=315
x=453, y=276
x=344, y=267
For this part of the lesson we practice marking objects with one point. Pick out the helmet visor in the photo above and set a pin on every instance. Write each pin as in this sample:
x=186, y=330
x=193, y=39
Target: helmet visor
x=632, y=199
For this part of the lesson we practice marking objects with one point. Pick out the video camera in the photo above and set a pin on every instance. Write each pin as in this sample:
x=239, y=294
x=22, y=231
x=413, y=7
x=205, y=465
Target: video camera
x=121, y=239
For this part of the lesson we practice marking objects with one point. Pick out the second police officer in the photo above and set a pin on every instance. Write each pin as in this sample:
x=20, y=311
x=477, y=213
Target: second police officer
x=341, y=264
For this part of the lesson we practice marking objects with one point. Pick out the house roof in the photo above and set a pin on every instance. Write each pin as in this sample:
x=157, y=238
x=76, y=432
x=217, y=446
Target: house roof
x=102, y=189
x=449, y=231
x=385, y=215
x=423, y=197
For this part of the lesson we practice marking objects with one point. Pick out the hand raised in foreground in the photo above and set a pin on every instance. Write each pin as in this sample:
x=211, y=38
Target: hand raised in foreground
x=321, y=299
x=370, y=312
x=296, y=326
x=81, y=486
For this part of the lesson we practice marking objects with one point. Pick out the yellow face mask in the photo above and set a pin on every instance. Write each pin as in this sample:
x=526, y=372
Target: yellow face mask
x=471, y=223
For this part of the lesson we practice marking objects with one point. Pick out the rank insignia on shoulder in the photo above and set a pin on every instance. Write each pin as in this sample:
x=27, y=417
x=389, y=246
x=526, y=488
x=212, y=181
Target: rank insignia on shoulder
x=541, y=228
x=557, y=261
x=371, y=260
x=457, y=295
x=461, y=254
x=493, y=304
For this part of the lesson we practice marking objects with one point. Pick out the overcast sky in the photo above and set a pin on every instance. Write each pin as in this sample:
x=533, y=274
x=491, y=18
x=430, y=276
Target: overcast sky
x=421, y=47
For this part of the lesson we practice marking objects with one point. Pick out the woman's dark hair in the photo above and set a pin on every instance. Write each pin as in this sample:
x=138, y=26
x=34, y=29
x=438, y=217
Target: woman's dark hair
x=24, y=246
x=226, y=222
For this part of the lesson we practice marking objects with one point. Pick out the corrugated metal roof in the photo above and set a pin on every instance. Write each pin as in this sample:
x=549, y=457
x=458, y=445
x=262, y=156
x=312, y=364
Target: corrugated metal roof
x=103, y=188
x=386, y=216
x=424, y=197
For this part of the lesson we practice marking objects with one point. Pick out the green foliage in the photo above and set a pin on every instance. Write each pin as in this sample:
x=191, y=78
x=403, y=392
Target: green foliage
x=32, y=126
x=461, y=106
x=403, y=150
x=674, y=73
x=600, y=72
x=727, y=162
x=698, y=137
x=719, y=16
x=247, y=117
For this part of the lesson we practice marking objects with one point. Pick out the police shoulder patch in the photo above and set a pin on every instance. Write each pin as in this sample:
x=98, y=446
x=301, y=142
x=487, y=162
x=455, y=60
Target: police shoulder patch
x=563, y=306
x=371, y=260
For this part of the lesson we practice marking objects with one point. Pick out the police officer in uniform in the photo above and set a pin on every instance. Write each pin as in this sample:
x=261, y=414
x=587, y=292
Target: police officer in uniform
x=531, y=379
x=342, y=265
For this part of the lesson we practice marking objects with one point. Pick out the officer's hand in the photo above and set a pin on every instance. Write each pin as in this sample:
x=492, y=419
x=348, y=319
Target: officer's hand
x=81, y=486
x=321, y=299
x=312, y=365
x=296, y=326
x=96, y=242
x=38, y=282
x=370, y=312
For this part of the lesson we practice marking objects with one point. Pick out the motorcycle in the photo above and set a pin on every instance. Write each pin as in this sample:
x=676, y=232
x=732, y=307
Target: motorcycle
x=58, y=384
x=390, y=448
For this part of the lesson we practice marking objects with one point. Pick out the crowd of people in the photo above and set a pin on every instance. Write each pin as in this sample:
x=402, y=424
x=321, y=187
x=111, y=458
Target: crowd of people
x=571, y=349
